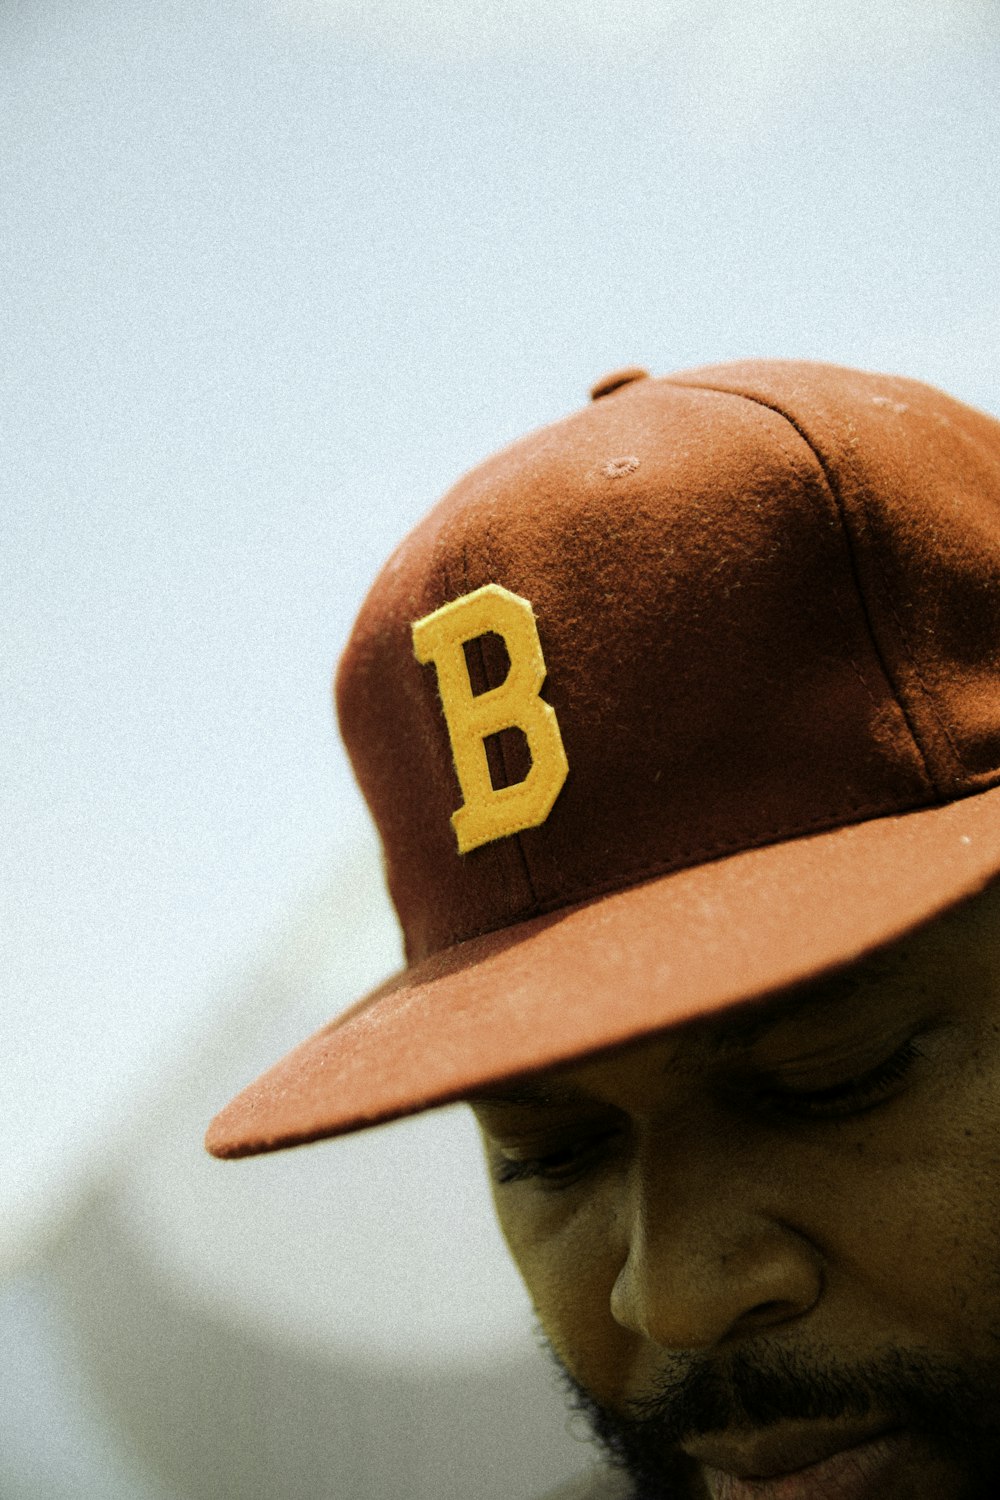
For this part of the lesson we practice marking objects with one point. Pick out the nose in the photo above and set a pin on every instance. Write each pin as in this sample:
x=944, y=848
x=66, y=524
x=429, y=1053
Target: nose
x=709, y=1259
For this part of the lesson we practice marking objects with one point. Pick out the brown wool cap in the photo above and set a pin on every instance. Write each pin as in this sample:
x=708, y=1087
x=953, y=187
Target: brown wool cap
x=765, y=601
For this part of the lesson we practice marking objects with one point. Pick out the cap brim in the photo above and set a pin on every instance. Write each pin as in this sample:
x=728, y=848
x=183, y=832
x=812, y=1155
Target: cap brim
x=609, y=971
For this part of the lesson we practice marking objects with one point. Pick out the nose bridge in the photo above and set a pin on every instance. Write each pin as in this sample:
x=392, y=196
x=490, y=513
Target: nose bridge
x=710, y=1255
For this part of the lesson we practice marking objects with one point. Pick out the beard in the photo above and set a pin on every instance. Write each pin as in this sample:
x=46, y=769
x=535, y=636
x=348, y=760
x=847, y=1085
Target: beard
x=954, y=1409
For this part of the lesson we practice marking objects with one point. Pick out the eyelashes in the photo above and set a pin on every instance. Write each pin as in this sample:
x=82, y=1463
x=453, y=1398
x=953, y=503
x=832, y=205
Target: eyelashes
x=850, y=1097
x=558, y=1168
x=574, y=1158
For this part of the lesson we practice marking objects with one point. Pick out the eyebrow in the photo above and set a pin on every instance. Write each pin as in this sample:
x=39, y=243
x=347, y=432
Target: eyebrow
x=719, y=1035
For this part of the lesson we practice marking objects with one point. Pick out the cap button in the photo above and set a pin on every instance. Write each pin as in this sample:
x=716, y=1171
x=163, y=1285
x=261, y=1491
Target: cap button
x=616, y=379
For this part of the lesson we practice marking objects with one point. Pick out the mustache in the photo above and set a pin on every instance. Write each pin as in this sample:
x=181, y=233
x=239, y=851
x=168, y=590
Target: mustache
x=748, y=1390
x=955, y=1407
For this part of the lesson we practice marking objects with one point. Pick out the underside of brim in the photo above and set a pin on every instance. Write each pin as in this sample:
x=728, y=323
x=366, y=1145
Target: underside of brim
x=610, y=971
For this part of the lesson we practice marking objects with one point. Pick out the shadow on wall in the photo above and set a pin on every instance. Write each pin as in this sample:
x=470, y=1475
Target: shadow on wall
x=216, y=1412
x=339, y=1322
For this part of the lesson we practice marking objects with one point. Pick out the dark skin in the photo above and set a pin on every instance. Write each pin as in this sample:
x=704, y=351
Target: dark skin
x=779, y=1223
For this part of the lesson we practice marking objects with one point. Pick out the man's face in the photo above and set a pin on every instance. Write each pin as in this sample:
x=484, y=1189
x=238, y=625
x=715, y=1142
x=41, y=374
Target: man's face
x=768, y=1244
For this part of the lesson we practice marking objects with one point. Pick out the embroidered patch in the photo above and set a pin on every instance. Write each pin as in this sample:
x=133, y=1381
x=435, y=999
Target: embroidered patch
x=489, y=812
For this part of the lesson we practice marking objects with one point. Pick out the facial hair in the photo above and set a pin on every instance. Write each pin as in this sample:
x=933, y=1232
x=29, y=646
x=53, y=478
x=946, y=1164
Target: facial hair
x=955, y=1409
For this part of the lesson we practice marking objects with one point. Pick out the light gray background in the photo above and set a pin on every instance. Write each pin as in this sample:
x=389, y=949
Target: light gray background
x=273, y=275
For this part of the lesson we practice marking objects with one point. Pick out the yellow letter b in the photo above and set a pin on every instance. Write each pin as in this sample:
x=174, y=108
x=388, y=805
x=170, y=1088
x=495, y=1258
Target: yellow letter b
x=490, y=812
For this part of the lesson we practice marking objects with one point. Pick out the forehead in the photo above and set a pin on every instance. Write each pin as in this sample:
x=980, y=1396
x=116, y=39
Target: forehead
x=955, y=959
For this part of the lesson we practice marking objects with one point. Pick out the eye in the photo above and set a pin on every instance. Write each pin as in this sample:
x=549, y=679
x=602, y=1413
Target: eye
x=852, y=1096
x=561, y=1167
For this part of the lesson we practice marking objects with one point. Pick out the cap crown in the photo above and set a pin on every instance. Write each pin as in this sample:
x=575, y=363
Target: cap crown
x=768, y=598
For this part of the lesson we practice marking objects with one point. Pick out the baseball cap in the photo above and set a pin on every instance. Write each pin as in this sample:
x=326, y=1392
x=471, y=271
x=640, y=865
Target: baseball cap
x=685, y=700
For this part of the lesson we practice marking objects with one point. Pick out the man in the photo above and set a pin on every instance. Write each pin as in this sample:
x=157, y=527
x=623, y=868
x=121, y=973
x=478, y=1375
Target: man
x=680, y=721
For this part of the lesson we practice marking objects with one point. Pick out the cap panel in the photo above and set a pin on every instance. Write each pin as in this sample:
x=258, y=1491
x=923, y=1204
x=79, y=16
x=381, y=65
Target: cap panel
x=918, y=475
x=708, y=660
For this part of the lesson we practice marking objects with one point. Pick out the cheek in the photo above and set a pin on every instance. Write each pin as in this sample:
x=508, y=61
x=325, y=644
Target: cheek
x=569, y=1256
x=911, y=1222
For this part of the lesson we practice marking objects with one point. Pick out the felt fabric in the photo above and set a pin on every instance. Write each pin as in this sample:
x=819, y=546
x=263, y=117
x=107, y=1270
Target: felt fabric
x=767, y=598
x=570, y=984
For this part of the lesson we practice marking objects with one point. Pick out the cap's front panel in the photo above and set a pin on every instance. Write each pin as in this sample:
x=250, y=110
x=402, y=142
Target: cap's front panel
x=706, y=651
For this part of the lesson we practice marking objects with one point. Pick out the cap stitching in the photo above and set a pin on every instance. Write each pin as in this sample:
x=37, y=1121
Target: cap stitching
x=855, y=573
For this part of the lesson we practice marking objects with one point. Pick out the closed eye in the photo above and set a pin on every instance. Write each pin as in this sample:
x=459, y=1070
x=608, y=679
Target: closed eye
x=852, y=1096
x=561, y=1167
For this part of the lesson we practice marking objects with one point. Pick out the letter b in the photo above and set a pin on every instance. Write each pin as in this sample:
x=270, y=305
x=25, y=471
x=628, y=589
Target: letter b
x=489, y=812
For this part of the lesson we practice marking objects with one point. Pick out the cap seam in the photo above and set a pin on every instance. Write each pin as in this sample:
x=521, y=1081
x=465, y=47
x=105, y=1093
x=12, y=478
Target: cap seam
x=904, y=638
x=841, y=614
x=851, y=546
